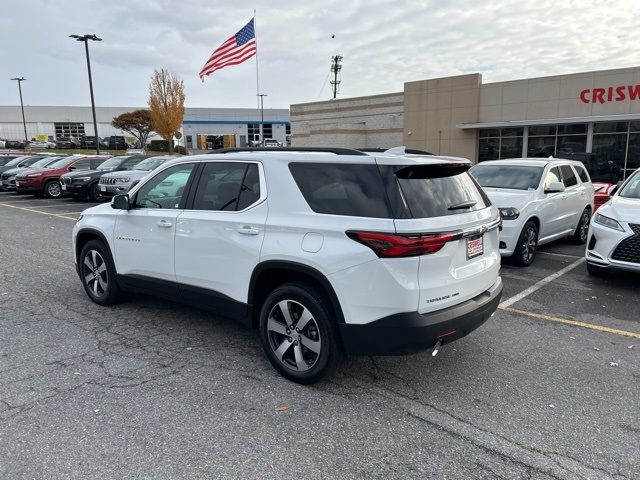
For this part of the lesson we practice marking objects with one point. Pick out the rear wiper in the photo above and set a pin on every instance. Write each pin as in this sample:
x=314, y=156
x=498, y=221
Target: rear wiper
x=463, y=205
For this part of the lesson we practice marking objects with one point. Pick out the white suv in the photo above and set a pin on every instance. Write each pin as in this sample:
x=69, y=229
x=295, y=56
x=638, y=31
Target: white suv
x=540, y=200
x=322, y=250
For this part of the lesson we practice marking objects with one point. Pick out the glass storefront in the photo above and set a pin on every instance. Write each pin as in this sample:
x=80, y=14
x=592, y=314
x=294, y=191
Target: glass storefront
x=498, y=143
x=615, y=146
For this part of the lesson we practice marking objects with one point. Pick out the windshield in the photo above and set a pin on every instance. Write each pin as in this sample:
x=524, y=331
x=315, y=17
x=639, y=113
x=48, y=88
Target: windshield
x=151, y=163
x=632, y=188
x=111, y=163
x=43, y=162
x=516, y=177
x=14, y=162
x=63, y=162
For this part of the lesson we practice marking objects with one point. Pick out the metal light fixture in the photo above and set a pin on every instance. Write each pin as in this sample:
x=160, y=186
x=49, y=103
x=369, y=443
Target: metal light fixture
x=85, y=39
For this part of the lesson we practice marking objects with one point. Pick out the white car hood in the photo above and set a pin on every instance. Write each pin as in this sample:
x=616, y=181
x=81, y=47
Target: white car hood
x=505, y=198
x=624, y=209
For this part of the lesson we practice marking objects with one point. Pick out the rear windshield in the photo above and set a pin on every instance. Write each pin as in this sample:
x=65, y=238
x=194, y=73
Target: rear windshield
x=427, y=191
x=354, y=190
x=515, y=177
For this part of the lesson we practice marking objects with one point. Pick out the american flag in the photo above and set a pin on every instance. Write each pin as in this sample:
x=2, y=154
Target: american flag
x=240, y=47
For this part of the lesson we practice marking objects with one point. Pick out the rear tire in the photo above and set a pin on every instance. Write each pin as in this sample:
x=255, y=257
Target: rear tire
x=527, y=245
x=52, y=189
x=98, y=274
x=299, y=333
x=581, y=234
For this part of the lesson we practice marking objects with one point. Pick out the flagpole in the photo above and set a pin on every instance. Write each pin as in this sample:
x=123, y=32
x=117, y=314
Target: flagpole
x=255, y=32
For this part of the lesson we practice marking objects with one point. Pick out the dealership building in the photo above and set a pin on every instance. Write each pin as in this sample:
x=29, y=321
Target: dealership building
x=593, y=112
x=203, y=128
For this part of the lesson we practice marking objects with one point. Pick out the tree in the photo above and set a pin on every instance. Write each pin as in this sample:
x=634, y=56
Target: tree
x=137, y=123
x=166, y=104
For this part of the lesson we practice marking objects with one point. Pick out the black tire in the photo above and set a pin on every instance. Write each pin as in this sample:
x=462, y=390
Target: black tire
x=52, y=189
x=98, y=274
x=94, y=193
x=597, y=271
x=581, y=234
x=527, y=245
x=319, y=332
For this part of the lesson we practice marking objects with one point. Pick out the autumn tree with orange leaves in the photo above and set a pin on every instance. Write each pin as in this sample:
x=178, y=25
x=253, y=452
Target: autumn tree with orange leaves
x=166, y=104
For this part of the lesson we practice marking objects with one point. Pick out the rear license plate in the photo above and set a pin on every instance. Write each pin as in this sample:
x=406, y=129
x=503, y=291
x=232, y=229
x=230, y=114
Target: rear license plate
x=64, y=187
x=103, y=189
x=475, y=247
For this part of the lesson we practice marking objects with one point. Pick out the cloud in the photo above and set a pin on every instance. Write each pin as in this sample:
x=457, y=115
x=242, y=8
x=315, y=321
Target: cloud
x=384, y=44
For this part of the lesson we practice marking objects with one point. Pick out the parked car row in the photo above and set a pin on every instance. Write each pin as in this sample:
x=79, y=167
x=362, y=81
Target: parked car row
x=77, y=176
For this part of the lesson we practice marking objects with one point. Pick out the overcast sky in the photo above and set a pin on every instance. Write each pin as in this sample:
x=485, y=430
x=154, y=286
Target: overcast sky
x=384, y=43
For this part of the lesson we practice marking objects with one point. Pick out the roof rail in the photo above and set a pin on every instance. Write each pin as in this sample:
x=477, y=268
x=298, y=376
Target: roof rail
x=337, y=151
x=410, y=151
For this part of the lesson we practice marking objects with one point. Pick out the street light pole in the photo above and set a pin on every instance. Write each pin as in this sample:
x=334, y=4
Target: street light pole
x=85, y=39
x=24, y=122
x=262, y=95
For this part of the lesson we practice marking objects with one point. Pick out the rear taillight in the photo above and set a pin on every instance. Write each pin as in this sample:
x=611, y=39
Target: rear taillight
x=389, y=245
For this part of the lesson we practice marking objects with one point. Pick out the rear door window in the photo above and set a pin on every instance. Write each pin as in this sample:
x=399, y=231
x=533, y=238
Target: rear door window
x=568, y=176
x=227, y=186
x=354, y=190
x=582, y=173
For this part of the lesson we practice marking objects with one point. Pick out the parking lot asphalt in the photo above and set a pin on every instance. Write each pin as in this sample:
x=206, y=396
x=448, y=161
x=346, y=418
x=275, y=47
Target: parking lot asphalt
x=547, y=388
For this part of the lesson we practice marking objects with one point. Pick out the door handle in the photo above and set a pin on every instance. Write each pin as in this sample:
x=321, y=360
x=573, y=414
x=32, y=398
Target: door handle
x=165, y=224
x=247, y=230
x=564, y=197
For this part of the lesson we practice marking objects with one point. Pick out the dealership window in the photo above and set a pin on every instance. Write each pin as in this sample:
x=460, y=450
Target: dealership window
x=267, y=130
x=553, y=140
x=609, y=150
x=288, y=134
x=253, y=130
x=497, y=143
x=66, y=130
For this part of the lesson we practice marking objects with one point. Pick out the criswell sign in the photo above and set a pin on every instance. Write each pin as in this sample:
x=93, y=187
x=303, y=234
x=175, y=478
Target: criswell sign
x=620, y=93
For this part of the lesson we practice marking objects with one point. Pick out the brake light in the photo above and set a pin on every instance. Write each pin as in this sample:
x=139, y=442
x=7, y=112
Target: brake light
x=389, y=245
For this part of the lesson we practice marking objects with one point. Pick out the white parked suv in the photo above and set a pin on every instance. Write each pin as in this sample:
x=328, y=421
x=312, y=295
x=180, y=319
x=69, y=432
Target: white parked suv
x=614, y=237
x=540, y=200
x=322, y=250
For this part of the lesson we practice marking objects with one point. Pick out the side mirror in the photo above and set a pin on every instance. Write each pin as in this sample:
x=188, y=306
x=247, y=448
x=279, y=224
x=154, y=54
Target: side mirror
x=121, y=202
x=555, y=187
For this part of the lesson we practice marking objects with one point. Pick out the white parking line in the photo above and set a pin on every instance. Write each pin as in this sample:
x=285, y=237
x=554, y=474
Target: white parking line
x=541, y=283
x=557, y=254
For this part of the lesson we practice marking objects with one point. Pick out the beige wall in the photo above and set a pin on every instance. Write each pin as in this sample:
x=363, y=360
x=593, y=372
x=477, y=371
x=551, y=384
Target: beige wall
x=374, y=122
x=557, y=96
x=433, y=108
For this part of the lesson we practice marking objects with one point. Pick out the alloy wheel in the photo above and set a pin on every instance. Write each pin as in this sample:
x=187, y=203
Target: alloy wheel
x=94, y=271
x=529, y=245
x=294, y=336
x=54, y=190
x=95, y=193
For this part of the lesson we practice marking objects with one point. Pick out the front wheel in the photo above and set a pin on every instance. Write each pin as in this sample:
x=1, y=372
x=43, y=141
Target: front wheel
x=98, y=274
x=94, y=193
x=525, y=251
x=298, y=332
x=53, y=189
x=579, y=237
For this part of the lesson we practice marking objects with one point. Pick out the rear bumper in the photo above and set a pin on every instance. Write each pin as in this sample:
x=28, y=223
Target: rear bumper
x=406, y=333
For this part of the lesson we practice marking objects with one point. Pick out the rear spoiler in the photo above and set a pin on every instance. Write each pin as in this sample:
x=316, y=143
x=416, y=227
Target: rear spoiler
x=433, y=170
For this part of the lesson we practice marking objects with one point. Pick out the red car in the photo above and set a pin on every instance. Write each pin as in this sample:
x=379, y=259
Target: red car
x=602, y=194
x=46, y=181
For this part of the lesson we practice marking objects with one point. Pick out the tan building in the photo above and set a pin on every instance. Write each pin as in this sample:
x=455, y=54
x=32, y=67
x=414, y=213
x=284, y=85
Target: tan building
x=597, y=113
